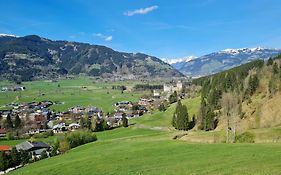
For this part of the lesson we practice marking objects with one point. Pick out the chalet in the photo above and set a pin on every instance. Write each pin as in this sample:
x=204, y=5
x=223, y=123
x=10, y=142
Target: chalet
x=156, y=94
x=34, y=148
x=5, y=148
x=123, y=103
x=77, y=109
x=73, y=126
x=3, y=132
x=5, y=113
x=19, y=88
x=59, y=128
x=93, y=111
x=112, y=122
x=145, y=102
x=118, y=115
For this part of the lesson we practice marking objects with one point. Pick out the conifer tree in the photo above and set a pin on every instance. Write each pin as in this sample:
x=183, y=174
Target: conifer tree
x=180, y=117
x=269, y=62
x=17, y=122
x=8, y=122
x=3, y=161
x=124, y=120
x=275, y=68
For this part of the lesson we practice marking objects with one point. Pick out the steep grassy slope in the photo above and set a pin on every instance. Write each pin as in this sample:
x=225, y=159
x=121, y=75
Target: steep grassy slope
x=139, y=151
x=162, y=120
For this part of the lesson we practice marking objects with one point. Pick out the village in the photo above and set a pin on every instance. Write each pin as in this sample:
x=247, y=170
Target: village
x=37, y=120
x=36, y=117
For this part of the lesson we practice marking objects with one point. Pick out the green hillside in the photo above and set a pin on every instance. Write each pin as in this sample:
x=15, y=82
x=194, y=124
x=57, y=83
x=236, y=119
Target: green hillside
x=162, y=120
x=140, y=151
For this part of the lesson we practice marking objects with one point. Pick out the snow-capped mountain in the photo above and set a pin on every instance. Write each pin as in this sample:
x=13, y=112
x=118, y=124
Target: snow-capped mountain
x=7, y=35
x=177, y=63
x=223, y=60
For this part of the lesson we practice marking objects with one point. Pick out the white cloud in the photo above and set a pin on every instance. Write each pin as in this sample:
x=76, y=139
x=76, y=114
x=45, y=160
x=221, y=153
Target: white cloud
x=104, y=37
x=141, y=11
x=109, y=38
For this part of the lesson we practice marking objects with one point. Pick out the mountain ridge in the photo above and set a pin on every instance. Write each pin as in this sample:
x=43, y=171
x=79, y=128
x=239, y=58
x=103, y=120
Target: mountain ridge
x=223, y=60
x=32, y=57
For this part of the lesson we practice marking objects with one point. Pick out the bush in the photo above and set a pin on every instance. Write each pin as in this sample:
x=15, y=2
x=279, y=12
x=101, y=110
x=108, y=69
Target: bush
x=64, y=146
x=11, y=136
x=246, y=137
x=39, y=135
x=44, y=155
x=79, y=138
x=44, y=134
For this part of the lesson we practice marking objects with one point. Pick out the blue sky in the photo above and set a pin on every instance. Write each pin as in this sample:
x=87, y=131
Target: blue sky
x=163, y=28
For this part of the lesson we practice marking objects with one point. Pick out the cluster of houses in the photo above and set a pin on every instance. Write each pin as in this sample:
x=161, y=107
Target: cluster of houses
x=34, y=148
x=38, y=117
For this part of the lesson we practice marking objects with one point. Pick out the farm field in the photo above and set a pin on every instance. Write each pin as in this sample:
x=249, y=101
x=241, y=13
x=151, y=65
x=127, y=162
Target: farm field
x=70, y=92
x=143, y=151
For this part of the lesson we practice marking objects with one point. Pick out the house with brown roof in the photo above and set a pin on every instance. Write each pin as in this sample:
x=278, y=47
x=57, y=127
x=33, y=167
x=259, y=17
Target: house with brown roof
x=3, y=132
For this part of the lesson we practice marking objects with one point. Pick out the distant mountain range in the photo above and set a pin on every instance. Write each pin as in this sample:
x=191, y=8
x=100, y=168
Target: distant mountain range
x=178, y=62
x=222, y=60
x=33, y=57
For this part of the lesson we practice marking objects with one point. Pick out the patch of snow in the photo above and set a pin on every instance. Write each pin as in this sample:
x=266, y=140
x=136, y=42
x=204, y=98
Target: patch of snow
x=241, y=50
x=8, y=35
x=177, y=60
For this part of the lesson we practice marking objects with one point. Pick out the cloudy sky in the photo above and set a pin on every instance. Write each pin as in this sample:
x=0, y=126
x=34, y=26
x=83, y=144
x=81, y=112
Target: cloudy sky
x=163, y=28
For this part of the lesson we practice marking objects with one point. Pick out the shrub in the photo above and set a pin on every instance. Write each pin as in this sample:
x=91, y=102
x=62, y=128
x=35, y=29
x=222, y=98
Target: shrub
x=64, y=146
x=80, y=137
x=11, y=136
x=44, y=134
x=44, y=155
x=39, y=135
x=246, y=137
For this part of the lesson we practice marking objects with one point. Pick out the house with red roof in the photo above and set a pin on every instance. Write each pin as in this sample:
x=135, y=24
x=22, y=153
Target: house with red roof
x=5, y=148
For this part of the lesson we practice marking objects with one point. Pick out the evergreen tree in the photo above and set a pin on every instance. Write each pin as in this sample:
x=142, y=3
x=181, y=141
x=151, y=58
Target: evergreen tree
x=15, y=157
x=269, y=62
x=25, y=157
x=3, y=161
x=275, y=68
x=173, y=97
x=44, y=155
x=94, y=124
x=124, y=120
x=162, y=107
x=8, y=122
x=180, y=117
x=84, y=122
x=252, y=86
x=17, y=122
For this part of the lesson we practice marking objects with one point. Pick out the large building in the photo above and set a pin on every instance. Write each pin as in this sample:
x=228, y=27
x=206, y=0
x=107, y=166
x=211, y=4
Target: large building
x=171, y=87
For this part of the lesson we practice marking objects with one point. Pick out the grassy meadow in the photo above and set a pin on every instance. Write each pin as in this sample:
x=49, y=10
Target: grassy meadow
x=70, y=92
x=162, y=120
x=143, y=151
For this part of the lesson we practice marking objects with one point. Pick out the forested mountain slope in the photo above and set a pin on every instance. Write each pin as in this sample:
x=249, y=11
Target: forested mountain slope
x=34, y=57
